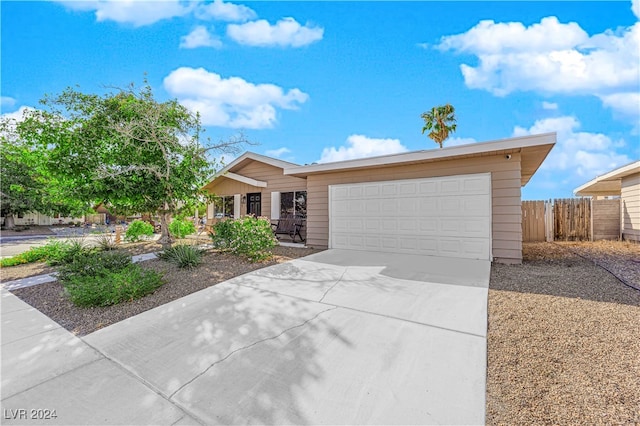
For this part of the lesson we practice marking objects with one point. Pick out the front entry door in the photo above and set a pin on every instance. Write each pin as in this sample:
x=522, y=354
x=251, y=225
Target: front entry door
x=254, y=203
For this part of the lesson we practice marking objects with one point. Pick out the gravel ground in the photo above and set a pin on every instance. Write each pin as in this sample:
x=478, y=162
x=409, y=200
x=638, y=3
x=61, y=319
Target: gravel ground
x=564, y=337
x=216, y=267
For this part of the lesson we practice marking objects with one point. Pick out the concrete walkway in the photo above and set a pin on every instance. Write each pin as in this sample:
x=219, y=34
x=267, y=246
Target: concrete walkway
x=339, y=337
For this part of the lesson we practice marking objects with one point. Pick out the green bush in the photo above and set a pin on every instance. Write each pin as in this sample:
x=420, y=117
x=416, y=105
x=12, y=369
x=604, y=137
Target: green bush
x=248, y=236
x=113, y=287
x=54, y=252
x=13, y=261
x=181, y=228
x=94, y=264
x=62, y=252
x=106, y=278
x=183, y=255
x=137, y=230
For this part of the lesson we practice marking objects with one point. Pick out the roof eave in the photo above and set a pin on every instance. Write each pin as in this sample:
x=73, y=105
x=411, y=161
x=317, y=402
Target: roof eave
x=609, y=183
x=536, y=147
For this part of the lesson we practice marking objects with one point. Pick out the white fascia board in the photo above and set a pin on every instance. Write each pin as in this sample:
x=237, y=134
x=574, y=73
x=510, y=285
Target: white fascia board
x=431, y=154
x=245, y=179
x=596, y=186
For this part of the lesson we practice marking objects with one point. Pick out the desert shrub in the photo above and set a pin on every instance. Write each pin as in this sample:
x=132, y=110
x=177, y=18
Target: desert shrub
x=183, y=255
x=62, y=252
x=106, y=278
x=137, y=230
x=223, y=233
x=180, y=228
x=248, y=236
x=106, y=242
x=113, y=287
x=94, y=264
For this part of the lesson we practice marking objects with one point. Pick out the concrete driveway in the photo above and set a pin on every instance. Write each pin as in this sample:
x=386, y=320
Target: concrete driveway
x=339, y=337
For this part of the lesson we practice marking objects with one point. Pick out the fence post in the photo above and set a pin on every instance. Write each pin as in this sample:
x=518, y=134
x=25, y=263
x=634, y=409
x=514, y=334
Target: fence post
x=548, y=220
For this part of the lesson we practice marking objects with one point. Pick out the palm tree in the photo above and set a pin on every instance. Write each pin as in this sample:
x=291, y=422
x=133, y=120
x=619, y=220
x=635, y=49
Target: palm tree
x=439, y=121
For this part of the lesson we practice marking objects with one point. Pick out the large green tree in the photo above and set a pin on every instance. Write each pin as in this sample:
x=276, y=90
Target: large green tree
x=25, y=185
x=126, y=149
x=439, y=121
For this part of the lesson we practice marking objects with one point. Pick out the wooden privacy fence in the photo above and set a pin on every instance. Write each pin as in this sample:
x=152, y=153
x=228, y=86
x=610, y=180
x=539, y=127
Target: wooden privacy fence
x=572, y=219
x=566, y=219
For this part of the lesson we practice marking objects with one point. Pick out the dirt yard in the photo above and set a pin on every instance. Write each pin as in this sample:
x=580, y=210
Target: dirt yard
x=564, y=336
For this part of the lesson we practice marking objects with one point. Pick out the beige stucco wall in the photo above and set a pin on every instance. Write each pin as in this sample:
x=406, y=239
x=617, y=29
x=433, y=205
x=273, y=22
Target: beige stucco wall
x=274, y=176
x=506, y=202
x=630, y=195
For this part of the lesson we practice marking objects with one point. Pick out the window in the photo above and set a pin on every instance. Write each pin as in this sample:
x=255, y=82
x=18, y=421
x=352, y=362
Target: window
x=293, y=204
x=223, y=207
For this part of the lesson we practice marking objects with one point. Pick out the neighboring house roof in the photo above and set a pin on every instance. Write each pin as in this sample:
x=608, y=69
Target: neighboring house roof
x=533, y=150
x=609, y=183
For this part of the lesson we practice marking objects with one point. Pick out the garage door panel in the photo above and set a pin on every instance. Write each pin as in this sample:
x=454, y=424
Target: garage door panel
x=340, y=193
x=372, y=206
x=475, y=185
x=408, y=188
x=428, y=188
x=433, y=216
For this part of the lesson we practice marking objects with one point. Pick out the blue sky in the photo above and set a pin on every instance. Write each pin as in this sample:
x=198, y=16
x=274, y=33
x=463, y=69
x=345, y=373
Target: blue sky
x=326, y=81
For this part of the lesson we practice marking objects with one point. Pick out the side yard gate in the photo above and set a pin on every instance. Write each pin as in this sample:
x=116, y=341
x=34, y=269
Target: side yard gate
x=570, y=219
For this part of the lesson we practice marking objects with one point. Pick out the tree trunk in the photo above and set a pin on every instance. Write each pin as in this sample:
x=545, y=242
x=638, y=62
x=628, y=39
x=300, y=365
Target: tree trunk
x=9, y=221
x=165, y=236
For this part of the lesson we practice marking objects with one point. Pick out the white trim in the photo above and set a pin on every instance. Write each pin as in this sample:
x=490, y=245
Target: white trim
x=512, y=144
x=244, y=179
x=236, y=206
x=275, y=205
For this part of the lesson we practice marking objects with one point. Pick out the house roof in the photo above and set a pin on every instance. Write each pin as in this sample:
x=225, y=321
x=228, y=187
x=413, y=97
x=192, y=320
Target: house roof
x=241, y=161
x=248, y=156
x=609, y=183
x=533, y=150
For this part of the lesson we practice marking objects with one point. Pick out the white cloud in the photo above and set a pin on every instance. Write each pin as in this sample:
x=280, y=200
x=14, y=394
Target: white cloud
x=635, y=8
x=7, y=102
x=199, y=37
x=286, y=32
x=550, y=57
x=17, y=115
x=222, y=11
x=551, y=106
x=135, y=12
x=626, y=104
x=277, y=153
x=360, y=146
x=582, y=154
x=230, y=102
x=12, y=118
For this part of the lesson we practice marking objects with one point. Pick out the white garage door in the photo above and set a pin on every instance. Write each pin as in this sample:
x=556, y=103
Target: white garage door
x=444, y=216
